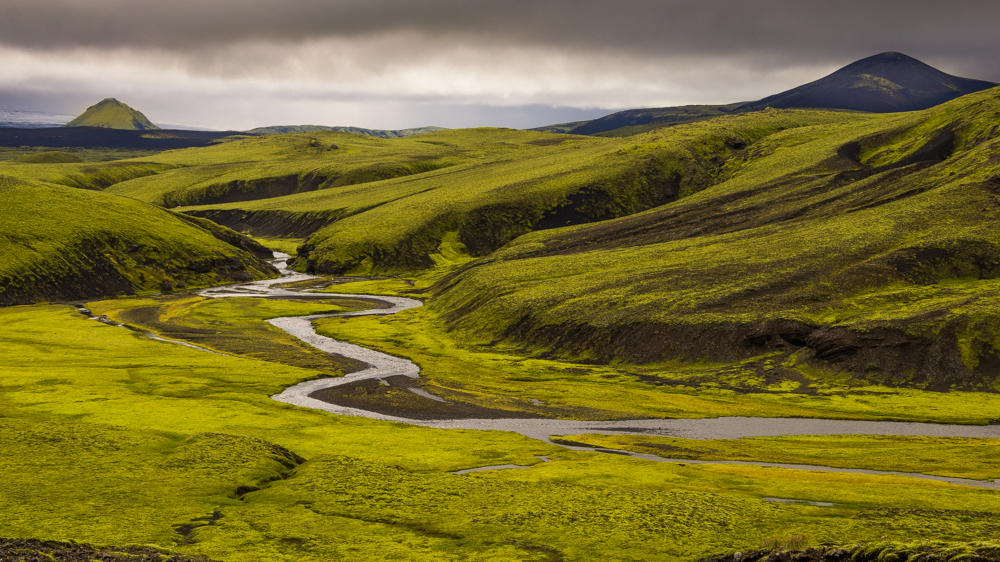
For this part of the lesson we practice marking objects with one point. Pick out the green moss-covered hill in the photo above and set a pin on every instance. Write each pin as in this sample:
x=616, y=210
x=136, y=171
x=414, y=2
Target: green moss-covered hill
x=869, y=245
x=63, y=243
x=385, y=205
x=113, y=114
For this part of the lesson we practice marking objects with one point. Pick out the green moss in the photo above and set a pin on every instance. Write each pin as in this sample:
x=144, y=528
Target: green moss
x=953, y=457
x=60, y=243
x=797, y=236
x=100, y=426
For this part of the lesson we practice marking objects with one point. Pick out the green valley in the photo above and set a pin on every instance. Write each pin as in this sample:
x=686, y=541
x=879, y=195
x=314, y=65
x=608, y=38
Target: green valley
x=491, y=344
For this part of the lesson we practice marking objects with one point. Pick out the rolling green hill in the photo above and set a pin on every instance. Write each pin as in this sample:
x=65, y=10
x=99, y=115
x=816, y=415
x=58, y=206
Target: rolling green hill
x=61, y=243
x=113, y=114
x=386, y=205
x=867, y=246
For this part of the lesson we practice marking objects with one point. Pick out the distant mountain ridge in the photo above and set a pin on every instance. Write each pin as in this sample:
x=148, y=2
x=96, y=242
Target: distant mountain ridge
x=634, y=121
x=885, y=83
x=380, y=133
x=18, y=119
x=113, y=114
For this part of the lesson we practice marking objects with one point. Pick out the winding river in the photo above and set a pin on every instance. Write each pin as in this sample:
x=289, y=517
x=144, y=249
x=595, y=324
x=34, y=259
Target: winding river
x=382, y=366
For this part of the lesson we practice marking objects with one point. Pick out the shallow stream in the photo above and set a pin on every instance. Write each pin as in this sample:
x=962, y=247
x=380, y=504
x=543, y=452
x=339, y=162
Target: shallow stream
x=382, y=366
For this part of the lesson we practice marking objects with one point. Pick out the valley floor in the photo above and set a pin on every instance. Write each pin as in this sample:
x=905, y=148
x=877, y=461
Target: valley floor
x=110, y=437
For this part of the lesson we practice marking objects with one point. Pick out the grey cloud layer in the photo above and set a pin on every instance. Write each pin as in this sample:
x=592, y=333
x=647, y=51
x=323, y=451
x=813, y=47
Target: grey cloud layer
x=777, y=32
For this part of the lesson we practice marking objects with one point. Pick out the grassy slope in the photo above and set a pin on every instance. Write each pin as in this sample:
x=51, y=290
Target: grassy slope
x=114, y=428
x=883, y=267
x=489, y=185
x=90, y=175
x=503, y=376
x=60, y=243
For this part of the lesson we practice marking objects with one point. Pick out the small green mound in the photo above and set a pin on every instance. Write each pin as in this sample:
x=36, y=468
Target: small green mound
x=53, y=157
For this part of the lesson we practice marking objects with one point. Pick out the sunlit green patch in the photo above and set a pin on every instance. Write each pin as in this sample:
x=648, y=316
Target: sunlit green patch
x=504, y=375
x=100, y=426
x=941, y=456
x=285, y=245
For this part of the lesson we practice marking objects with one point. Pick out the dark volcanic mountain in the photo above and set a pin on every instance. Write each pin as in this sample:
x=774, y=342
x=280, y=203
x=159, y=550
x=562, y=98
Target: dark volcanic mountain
x=884, y=83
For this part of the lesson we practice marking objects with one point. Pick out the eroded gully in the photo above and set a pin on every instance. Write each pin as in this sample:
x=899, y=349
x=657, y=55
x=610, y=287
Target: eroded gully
x=382, y=366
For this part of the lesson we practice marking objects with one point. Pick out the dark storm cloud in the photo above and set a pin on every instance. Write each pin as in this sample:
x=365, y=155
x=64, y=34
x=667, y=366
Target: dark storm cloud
x=769, y=32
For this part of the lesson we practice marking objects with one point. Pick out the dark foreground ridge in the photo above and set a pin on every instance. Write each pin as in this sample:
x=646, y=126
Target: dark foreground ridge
x=881, y=552
x=32, y=550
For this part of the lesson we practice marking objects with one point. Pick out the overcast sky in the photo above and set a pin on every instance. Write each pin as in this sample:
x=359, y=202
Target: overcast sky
x=236, y=64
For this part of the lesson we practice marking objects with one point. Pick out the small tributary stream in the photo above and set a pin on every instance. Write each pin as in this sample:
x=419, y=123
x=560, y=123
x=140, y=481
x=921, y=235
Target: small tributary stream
x=382, y=366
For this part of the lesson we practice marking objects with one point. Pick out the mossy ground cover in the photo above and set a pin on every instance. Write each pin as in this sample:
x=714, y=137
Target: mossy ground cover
x=61, y=243
x=866, y=248
x=102, y=426
x=84, y=154
x=940, y=456
x=390, y=201
x=509, y=377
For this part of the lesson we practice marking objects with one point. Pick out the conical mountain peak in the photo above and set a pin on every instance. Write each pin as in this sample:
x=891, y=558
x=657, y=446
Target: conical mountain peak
x=110, y=113
x=883, y=83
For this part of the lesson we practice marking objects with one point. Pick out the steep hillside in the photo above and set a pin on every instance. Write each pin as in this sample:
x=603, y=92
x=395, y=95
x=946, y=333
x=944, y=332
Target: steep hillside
x=884, y=83
x=867, y=247
x=372, y=205
x=113, y=114
x=61, y=243
x=379, y=133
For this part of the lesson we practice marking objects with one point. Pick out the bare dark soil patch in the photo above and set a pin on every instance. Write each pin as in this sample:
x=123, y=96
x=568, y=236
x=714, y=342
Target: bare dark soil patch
x=252, y=338
x=32, y=550
x=868, y=553
x=395, y=399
